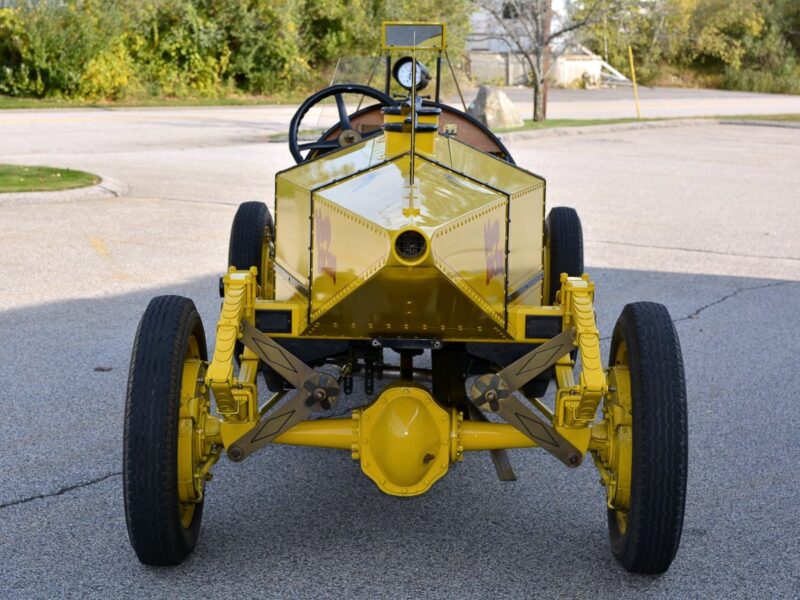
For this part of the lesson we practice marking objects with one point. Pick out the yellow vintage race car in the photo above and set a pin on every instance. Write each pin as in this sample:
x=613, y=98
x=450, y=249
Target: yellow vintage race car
x=404, y=235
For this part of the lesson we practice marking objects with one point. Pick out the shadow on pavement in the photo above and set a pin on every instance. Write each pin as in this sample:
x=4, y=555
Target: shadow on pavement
x=306, y=523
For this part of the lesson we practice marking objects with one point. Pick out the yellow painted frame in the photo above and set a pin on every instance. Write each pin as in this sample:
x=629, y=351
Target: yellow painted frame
x=573, y=418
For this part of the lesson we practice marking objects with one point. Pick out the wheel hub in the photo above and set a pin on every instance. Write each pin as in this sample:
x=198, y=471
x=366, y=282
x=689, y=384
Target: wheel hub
x=348, y=137
x=613, y=439
x=196, y=428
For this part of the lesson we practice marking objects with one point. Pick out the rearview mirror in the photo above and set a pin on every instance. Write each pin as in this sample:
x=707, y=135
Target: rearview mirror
x=409, y=36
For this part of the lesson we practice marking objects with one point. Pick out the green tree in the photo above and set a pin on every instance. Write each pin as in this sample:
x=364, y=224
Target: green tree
x=721, y=30
x=264, y=44
x=742, y=44
x=99, y=49
x=45, y=48
x=769, y=59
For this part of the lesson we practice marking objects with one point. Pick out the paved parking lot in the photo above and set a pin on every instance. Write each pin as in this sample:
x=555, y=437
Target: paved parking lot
x=702, y=218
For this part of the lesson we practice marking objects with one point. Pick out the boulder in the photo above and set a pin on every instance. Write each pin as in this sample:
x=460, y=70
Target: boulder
x=492, y=107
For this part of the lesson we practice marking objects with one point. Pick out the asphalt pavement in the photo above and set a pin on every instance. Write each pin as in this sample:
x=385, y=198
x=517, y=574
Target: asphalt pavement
x=703, y=218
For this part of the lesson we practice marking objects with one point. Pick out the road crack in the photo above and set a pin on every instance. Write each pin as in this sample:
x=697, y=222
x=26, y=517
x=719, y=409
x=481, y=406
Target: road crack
x=694, y=315
x=695, y=250
x=61, y=491
x=727, y=297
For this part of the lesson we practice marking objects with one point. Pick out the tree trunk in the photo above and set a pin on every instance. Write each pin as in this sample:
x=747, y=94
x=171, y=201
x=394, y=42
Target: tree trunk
x=538, y=101
x=538, y=88
x=545, y=90
x=545, y=68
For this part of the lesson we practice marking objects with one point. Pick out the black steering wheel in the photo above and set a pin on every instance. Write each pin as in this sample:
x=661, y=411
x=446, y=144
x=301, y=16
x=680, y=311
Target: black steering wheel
x=347, y=135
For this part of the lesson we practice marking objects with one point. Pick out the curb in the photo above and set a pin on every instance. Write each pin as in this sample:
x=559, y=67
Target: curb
x=761, y=123
x=515, y=136
x=107, y=188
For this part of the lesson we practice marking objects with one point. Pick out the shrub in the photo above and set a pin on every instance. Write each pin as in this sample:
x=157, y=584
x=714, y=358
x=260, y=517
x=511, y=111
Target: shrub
x=97, y=49
x=177, y=50
x=785, y=81
x=264, y=43
x=109, y=75
x=14, y=76
x=91, y=49
x=47, y=47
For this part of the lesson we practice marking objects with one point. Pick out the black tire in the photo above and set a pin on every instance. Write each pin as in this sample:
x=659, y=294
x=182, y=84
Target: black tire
x=149, y=460
x=246, y=247
x=565, y=241
x=660, y=440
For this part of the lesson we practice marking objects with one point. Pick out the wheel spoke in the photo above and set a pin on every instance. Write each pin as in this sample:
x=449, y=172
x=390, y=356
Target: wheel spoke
x=344, y=118
x=344, y=123
x=324, y=145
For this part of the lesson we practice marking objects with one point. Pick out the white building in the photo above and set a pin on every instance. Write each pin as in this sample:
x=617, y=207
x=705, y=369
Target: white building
x=493, y=60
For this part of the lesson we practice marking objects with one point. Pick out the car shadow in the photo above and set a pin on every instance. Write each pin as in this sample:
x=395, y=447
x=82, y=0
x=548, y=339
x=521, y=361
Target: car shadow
x=290, y=521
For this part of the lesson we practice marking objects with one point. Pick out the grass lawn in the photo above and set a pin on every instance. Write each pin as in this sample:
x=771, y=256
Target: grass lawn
x=789, y=117
x=531, y=125
x=11, y=102
x=17, y=178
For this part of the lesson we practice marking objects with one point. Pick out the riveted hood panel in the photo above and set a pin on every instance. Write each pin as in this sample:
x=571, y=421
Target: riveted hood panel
x=337, y=218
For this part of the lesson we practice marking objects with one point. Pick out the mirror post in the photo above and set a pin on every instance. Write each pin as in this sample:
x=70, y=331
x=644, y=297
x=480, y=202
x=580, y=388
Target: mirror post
x=438, y=77
x=388, y=73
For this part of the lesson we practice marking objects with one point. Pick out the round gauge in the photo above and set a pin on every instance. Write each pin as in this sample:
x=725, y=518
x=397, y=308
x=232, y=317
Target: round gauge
x=403, y=73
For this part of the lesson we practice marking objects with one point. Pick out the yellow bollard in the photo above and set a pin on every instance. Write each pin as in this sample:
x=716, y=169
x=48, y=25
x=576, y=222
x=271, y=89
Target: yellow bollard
x=633, y=79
